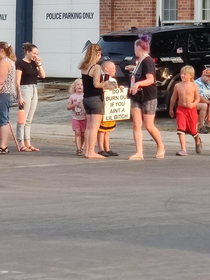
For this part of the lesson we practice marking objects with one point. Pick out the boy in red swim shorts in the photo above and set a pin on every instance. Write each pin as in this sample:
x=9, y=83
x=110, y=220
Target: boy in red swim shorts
x=186, y=93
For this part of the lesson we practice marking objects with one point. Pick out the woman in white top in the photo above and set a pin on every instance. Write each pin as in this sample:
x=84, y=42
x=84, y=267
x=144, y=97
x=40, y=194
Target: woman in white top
x=7, y=91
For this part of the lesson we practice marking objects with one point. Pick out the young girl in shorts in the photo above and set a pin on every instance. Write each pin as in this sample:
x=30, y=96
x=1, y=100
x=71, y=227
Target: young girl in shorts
x=75, y=104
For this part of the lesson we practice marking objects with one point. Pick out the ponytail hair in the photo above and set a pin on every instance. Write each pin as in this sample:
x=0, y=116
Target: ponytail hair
x=8, y=50
x=28, y=47
x=90, y=56
x=144, y=42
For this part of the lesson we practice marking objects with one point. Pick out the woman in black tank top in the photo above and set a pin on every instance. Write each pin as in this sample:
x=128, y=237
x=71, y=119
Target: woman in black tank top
x=93, y=92
x=93, y=97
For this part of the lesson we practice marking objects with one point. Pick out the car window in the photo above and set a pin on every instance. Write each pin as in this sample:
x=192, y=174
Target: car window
x=163, y=43
x=199, y=41
x=119, y=45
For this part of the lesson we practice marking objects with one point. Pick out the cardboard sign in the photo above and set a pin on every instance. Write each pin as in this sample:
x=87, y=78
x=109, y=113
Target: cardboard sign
x=117, y=105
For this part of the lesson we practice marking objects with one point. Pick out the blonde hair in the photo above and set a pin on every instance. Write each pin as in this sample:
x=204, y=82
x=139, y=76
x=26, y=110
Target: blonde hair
x=8, y=50
x=106, y=64
x=190, y=70
x=72, y=88
x=90, y=56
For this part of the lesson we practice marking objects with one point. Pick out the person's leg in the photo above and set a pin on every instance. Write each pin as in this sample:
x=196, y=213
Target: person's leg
x=4, y=135
x=198, y=144
x=182, y=141
x=29, y=118
x=208, y=116
x=100, y=138
x=192, y=120
x=82, y=141
x=27, y=96
x=82, y=127
x=154, y=132
x=95, y=120
x=202, y=110
x=94, y=108
x=106, y=141
x=87, y=132
x=78, y=139
x=137, y=133
x=5, y=101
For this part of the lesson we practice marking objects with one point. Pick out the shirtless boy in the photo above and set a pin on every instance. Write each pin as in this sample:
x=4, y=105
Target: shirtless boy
x=187, y=96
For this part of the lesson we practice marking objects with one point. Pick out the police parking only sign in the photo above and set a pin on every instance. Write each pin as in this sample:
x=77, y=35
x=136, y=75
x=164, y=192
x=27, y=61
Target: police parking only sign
x=117, y=105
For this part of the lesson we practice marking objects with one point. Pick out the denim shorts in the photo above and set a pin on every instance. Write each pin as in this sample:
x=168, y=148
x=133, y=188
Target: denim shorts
x=93, y=105
x=148, y=107
x=5, y=102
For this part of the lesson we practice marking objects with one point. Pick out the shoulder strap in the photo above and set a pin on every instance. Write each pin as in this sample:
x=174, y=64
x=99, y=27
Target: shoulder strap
x=90, y=68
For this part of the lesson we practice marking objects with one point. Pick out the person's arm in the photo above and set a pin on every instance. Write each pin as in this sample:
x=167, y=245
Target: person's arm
x=97, y=76
x=147, y=82
x=40, y=68
x=41, y=71
x=21, y=101
x=130, y=67
x=204, y=100
x=96, y=79
x=174, y=98
x=71, y=105
x=4, y=69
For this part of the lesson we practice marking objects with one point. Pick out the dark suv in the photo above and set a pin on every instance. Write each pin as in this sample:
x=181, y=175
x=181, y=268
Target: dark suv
x=172, y=47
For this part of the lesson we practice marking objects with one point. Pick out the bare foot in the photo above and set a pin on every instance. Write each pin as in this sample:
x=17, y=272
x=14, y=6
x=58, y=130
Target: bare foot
x=136, y=157
x=161, y=149
x=95, y=156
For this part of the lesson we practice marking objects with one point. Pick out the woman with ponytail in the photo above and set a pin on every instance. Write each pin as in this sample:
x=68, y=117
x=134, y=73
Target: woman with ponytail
x=7, y=92
x=28, y=70
x=144, y=98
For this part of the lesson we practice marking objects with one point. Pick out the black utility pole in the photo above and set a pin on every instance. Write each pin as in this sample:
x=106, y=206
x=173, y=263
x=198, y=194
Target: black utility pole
x=24, y=24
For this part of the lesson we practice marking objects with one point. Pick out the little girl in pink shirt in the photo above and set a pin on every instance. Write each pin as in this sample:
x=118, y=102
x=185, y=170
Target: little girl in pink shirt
x=75, y=104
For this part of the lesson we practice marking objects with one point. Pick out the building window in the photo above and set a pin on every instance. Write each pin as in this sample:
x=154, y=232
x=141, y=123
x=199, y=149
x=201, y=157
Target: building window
x=169, y=10
x=206, y=9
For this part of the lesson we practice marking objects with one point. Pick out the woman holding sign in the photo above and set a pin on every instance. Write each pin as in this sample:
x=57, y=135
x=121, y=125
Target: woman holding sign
x=93, y=97
x=144, y=99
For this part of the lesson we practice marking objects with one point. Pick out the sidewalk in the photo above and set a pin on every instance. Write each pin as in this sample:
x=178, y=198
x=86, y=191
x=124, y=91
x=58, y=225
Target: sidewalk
x=123, y=134
x=52, y=122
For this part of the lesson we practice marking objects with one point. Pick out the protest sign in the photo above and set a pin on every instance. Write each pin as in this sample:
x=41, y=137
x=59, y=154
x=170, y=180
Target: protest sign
x=117, y=105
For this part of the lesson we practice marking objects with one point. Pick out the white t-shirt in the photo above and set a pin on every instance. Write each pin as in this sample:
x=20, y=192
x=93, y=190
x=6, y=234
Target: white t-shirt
x=78, y=113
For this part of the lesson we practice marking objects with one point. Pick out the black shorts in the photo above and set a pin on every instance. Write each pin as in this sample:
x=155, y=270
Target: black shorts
x=93, y=105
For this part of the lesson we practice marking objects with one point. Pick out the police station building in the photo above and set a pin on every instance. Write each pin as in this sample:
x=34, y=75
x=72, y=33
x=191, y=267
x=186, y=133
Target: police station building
x=60, y=28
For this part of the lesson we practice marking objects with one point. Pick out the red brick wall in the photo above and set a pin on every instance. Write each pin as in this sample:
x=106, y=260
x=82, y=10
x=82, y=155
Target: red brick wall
x=122, y=14
x=185, y=10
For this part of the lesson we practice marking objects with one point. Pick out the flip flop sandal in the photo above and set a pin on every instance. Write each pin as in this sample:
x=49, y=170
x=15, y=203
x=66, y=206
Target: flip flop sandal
x=160, y=155
x=25, y=149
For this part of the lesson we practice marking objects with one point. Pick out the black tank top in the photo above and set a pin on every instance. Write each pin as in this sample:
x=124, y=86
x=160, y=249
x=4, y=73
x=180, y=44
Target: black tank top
x=89, y=89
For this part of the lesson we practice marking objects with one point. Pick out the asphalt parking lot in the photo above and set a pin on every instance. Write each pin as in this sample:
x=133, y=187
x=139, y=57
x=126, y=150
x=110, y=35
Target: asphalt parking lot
x=65, y=217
